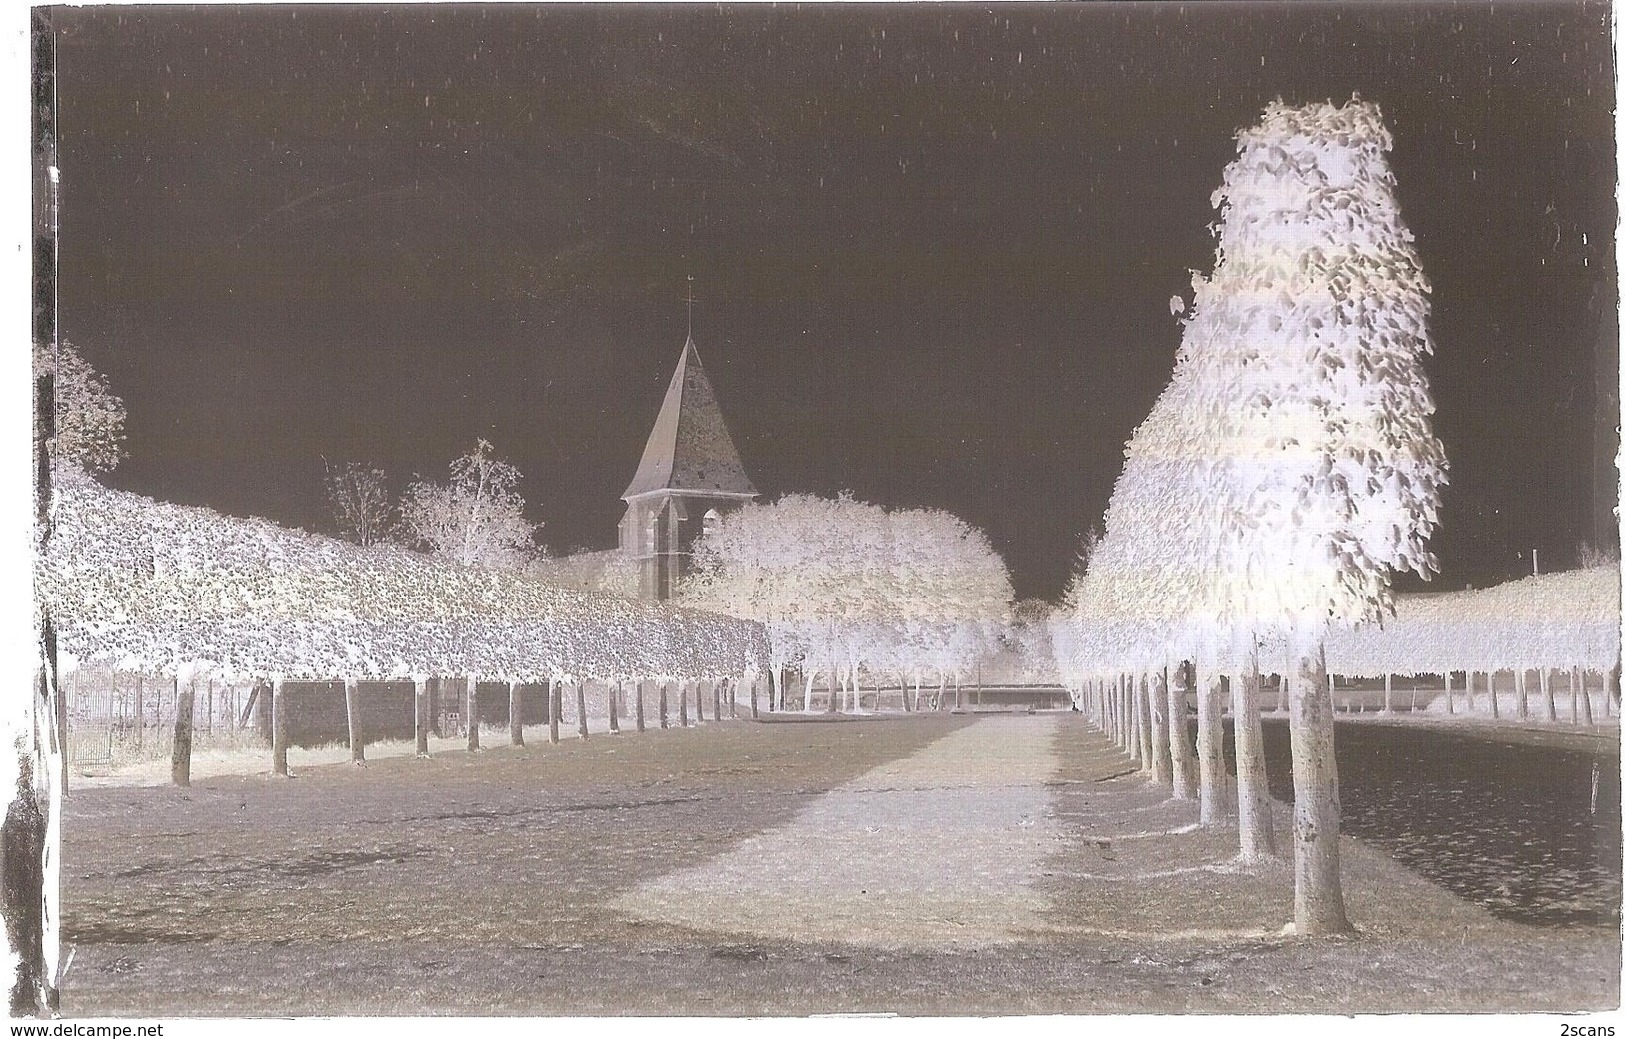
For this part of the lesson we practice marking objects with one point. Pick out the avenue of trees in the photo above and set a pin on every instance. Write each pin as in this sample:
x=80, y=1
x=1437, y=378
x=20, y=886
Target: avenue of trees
x=1286, y=471
x=847, y=589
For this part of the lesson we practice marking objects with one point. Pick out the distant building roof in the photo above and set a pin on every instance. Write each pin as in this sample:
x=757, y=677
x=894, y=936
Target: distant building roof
x=689, y=448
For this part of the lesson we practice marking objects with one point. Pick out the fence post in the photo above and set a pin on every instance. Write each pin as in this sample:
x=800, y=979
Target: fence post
x=516, y=714
x=180, y=761
x=279, y=728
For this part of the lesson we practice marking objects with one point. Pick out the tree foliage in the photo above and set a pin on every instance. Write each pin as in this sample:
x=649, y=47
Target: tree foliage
x=144, y=584
x=358, y=496
x=89, y=417
x=1289, y=467
x=477, y=518
x=846, y=587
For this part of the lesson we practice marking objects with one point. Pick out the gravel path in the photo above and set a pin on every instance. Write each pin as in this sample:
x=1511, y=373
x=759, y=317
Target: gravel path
x=939, y=849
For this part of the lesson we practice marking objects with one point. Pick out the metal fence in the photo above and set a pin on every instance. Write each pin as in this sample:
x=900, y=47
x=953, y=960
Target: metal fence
x=117, y=716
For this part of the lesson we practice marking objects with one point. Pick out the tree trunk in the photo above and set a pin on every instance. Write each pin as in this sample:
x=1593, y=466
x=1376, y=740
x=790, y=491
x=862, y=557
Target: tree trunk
x=1316, y=811
x=1212, y=783
x=1495, y=703
x=472, y=698
x=1148, y=740
x=279, y=728
x=1161, y=766
x=420, y=721
x=754, y=681
x=699, y=702
x=637, y=691
x=682, y=704
x=516, y=713
x=141, y=714
x=1467, y=679
x=1449, y=693
x=352, y=716
x=733, y=697
x=581, y=708
x=1181, y=753
x=716, y=701
x=208, y=710
x=1579, y=695
x=664, y=721
x=180, y=759
x=1520, y=680
x=30, y=839
x=614, y=715
x=1387, y=693
x=1114, y=722
x=1255, y=812
x=1546, y=694
x=555, y=707
x=834, y=698
x=1131, y=700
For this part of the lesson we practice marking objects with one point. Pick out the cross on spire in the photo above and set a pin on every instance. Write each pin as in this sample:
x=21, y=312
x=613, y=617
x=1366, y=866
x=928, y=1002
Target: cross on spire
x=689, y=299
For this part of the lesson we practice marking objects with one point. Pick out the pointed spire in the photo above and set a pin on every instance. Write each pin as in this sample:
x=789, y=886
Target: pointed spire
x=689, y=448
x=690, y=300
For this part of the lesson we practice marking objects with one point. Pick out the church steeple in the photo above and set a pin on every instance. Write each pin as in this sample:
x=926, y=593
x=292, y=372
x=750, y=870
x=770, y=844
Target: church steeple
x=690, y=475
x=689, y=448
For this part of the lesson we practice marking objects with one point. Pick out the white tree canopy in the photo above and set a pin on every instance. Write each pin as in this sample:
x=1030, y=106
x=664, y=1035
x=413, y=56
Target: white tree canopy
x=89, y=417
x=476, y=519
x=1289, y=467
x=844, y=584
x=134, y=582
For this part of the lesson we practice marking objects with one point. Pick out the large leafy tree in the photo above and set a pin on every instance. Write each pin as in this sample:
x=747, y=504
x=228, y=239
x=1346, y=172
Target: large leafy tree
x=1289, y=467
x=476, y=518
x=846, y=587
x=1318, y=308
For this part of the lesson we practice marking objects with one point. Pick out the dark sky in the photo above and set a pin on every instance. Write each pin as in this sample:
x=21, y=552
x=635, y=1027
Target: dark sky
x=933, y=246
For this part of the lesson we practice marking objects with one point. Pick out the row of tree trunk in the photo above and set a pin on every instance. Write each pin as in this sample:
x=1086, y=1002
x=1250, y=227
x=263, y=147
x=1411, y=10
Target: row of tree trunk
x=724, y=697
x=1148, y=716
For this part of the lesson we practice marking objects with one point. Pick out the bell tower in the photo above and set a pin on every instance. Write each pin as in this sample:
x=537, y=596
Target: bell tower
x=689, y=476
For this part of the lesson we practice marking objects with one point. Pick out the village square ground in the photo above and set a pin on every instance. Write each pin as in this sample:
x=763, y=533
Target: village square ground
x=933, y=864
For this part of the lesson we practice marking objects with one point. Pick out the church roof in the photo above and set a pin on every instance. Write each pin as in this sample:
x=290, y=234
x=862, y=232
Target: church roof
x=689, y=448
